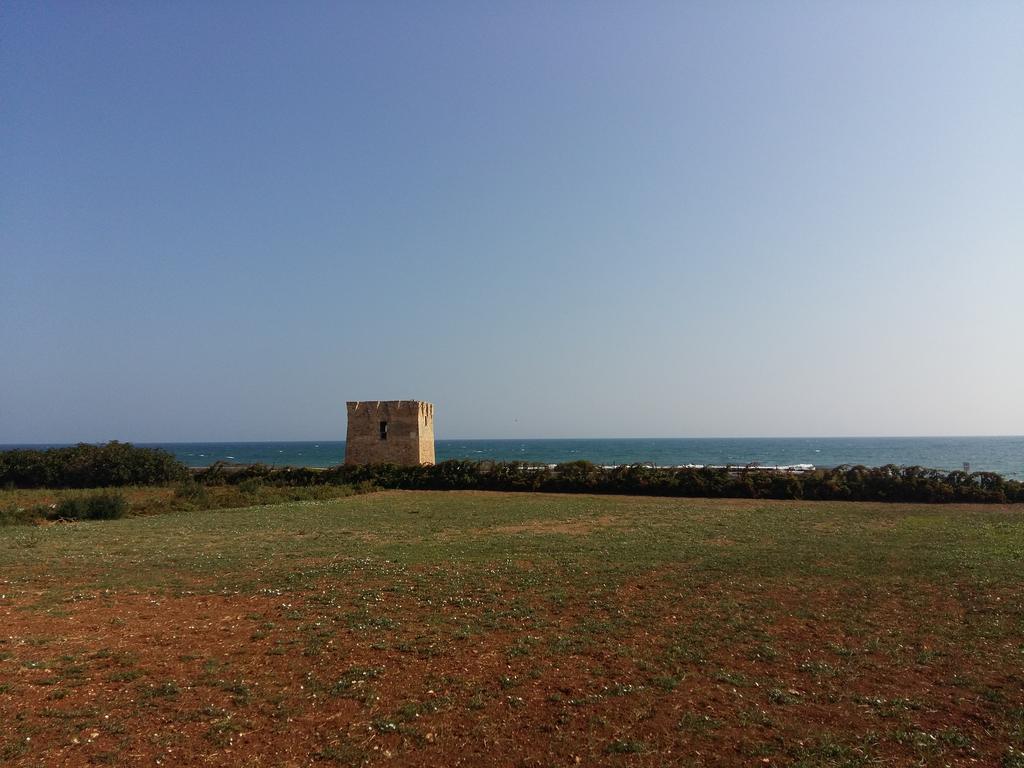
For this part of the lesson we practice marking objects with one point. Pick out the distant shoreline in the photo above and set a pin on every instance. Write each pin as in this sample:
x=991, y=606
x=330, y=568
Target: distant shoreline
x=143, y=443
x=1003, y=455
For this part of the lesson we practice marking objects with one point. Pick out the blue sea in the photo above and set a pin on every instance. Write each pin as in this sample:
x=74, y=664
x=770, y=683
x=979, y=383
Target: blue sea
x=1001, y=455
x=1004, y=455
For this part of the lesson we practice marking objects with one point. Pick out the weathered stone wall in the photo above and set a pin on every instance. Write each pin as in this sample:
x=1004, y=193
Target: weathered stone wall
x=410, y=432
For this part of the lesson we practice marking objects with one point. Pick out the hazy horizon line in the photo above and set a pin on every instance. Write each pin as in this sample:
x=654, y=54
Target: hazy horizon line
x=521, y=439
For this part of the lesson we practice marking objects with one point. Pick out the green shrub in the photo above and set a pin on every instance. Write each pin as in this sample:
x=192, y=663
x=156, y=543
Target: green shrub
x=192, y=492
x=89, y=466
x=251, y=485
x=23, y=516
x=70, y=508
x=105, y=505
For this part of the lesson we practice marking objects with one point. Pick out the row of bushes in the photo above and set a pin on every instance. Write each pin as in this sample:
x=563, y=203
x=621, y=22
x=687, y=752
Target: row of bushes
x=89, y=466
x=120, y=464
x=851, y=483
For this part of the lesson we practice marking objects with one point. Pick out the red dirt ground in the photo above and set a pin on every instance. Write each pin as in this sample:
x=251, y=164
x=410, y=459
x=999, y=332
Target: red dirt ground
x=720, y=675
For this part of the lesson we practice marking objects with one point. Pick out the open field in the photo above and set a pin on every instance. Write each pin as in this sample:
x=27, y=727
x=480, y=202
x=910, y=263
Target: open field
x=460, y=628
x=29, y=506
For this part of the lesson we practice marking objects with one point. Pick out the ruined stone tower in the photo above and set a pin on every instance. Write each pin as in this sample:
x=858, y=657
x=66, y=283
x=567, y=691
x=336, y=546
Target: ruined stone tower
x=390, y=431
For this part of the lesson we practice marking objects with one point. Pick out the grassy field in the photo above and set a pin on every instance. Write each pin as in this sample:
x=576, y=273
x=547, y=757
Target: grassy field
x=418, y=628
x=31, y=506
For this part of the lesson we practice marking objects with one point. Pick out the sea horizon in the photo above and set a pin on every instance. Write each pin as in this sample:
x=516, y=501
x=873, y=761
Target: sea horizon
x=37, y=444
x=1002, y=454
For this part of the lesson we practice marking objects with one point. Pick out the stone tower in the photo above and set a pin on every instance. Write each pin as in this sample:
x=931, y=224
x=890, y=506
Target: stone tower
x=390, y=431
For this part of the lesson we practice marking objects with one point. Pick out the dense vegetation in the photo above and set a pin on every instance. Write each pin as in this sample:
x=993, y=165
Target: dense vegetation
x=105, y=505
x=89, y=466
x=845, y=483
x=122, y=464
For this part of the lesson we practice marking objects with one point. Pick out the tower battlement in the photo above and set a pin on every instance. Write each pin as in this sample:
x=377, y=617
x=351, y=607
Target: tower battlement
x=390, y=431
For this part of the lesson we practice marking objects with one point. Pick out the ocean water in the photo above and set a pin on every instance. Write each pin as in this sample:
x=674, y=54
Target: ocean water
x=1001, y=455
x=1004, y=455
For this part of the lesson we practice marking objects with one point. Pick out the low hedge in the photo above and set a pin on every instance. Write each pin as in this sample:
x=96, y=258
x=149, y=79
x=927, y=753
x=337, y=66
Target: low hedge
x=120, y=464
x=845, y=483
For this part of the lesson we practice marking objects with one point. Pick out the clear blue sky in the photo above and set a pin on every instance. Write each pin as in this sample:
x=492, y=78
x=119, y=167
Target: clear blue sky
x=222, y=220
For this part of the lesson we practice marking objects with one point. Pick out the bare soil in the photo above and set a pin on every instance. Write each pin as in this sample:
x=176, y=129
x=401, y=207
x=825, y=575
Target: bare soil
x=574, y=645
x=204, y=679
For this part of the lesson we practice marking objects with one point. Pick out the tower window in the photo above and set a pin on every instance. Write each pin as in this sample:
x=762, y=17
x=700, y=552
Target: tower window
x=383, y=430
